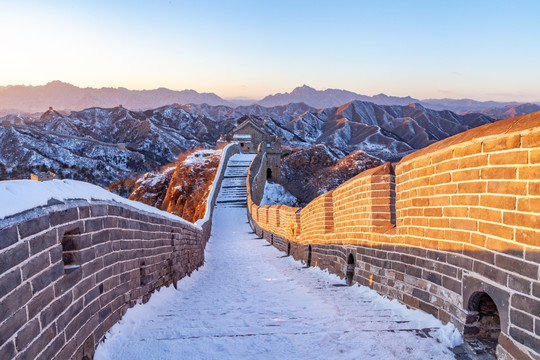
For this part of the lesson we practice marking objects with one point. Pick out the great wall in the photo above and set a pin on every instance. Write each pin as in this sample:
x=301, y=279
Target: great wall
x=452, y=229
x=70, y=270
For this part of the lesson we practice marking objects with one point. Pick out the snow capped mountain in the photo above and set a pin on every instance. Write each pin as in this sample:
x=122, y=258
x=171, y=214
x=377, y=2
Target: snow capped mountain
x=102, y=145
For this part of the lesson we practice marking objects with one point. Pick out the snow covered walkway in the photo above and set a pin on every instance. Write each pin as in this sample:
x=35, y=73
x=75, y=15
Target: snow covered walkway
x=249, y=301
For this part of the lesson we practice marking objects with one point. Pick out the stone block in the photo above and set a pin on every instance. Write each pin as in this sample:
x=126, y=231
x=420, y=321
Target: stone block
x=14, y=301
x=40, y=301
x=64, y=216
x=99, y=210
x=82, y=287
x=35, y=265
x=13, y=256
x=536, y=289
x=39, y=344
x=451, y=284
x=12, y=324
x=92, y=225
x=8, y=236
x=510, y=347
x=54, y=347
x=530, y=341
x=33, y=226
x=519, y=284
x=522, y=320
x=9, y=281
x=92, y=267
x=67, y=281
x=47, y=277
x=7, y=350
x=420, y=294
x=430, y=309
x=42, y=242
x=27, y=334
x=100, y=237
x=490, y=272
x=525, y=303
x=72, y=311
x=51, y=313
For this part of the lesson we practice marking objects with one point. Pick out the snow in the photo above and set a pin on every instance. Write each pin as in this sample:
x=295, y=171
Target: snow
x=151, y=179
x=219, y=170
x=17, y=196
x=200, y=157
x=275, y=194
x=250, y=301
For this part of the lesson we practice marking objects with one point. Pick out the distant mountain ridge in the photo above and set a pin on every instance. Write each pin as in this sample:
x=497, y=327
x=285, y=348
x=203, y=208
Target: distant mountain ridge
x=509, y=111
x=64, y=96
x=330, y=97
x=321, y=99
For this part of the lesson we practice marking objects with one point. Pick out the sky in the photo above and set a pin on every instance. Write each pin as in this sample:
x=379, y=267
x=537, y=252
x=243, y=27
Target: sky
x=485, y=50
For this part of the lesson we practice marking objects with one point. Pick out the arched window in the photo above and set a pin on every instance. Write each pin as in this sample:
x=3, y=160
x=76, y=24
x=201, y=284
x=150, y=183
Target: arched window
x=268, y=173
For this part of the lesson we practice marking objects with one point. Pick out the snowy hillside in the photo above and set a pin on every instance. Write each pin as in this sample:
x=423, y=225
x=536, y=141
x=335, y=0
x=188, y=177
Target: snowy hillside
x=102, y=145
x=181, y=188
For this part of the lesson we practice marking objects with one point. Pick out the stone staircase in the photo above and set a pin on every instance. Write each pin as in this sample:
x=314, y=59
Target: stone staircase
x=233, y=193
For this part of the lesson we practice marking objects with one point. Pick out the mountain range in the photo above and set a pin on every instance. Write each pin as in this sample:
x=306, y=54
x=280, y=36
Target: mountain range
x=66, y=97
x=102, y=145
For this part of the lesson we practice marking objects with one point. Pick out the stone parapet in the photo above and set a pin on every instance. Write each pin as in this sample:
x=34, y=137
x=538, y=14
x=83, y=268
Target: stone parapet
x=440, y=229
x=69, y=271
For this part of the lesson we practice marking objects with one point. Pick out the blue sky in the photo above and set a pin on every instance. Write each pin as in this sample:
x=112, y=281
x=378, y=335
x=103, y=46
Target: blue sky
x=476, y=49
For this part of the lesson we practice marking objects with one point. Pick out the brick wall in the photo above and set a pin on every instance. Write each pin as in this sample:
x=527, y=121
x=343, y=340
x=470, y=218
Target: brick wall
x=118, y=257
x=447, y=223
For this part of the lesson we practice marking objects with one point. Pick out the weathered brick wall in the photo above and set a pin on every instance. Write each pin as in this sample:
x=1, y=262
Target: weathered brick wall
x=120, y=256
x=445, y=224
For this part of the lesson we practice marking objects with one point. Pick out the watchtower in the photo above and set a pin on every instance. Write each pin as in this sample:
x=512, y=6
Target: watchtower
x=249, y=135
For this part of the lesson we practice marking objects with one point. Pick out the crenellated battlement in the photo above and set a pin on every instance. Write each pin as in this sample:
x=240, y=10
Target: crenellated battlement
x=437, y=230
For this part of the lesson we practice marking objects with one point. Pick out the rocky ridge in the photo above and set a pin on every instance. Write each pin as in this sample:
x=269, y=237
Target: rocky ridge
x=102, y=145
x=181, y=188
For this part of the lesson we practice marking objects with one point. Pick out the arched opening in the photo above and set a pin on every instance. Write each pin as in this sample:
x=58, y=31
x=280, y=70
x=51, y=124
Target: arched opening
x=309, y=256
x=349, y=275
x=483, y=324
x=289, y=249
x=268, y=173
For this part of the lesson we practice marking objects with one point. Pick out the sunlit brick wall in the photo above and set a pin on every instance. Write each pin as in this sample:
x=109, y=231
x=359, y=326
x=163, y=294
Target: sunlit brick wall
x=459, y=217
x=317, y=219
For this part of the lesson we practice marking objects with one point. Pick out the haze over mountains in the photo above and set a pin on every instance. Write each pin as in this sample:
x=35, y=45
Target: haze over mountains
x=65, y=97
